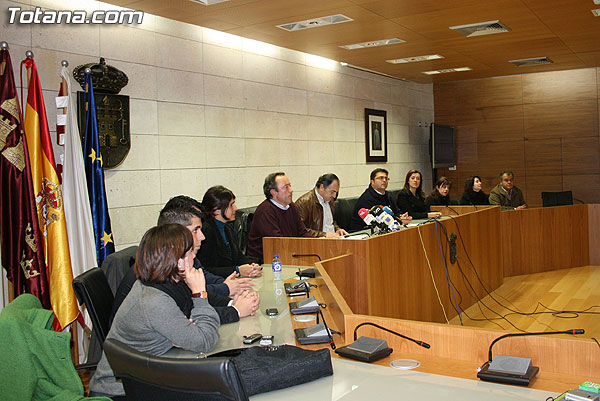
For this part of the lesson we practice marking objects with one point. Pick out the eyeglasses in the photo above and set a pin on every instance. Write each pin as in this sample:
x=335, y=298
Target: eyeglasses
x=383, y=178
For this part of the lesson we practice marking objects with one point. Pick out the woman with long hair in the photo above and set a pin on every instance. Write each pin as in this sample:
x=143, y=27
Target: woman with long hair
x=473, y=194
x=411, y=198
x=220, y=252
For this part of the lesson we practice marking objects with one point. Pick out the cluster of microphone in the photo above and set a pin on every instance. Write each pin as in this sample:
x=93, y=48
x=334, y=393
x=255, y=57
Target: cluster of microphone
x=381, y=217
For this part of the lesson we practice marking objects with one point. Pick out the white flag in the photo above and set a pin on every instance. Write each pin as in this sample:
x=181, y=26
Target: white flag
x=75, y=194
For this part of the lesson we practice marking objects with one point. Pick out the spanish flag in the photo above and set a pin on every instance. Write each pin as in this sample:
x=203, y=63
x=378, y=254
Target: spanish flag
x=49, y=203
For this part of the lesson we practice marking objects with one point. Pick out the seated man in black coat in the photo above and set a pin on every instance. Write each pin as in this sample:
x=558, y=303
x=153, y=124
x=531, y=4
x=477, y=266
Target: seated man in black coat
x=376, y=194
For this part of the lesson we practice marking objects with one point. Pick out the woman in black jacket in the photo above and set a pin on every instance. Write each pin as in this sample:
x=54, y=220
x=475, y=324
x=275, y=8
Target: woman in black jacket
x=220, y=253
x=440, y=194
x=473, y=195
x=411, y=198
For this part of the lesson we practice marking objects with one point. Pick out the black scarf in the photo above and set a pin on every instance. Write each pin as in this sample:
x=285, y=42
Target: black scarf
x=180, y=292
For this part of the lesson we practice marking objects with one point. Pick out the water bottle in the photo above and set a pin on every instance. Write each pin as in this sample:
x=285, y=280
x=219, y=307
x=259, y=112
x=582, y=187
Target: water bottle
x=276, y=264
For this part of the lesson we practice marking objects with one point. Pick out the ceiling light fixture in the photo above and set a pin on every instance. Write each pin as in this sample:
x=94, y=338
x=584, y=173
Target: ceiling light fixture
x=447, y=70
x=373, y=43
x=208, y=2
x=528, y=62
x=315, y=22
x=481, y=28
x=414, y=59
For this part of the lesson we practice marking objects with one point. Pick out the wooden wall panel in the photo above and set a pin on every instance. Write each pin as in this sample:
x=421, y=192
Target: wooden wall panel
x=576, y=118
x=543, y=157
x=560, y=86
x=544, y=126
x=495, y=124
x=585, y=187
x=488, y=93
x=581, y=156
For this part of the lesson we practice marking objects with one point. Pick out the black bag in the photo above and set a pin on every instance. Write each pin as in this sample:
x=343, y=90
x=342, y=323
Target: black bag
x=264, y=369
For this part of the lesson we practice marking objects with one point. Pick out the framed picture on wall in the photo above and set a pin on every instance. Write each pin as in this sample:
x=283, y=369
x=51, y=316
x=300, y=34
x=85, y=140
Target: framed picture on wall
x=376, y=135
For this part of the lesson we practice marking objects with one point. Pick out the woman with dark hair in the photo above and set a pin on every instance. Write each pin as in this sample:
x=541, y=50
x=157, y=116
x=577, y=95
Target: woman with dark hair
x=441, y=193
x=167, y=306
x=411, y=198
x=473, y=195
x=220, y=253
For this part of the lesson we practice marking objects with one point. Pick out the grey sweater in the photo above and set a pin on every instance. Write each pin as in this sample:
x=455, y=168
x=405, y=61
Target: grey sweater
x=150, y=321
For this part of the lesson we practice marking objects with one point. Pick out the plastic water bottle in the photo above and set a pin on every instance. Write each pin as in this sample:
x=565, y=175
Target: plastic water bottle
x=276, y=264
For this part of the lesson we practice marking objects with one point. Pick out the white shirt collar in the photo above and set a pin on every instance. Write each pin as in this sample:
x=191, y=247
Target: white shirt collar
x=280, y=206
x=320, y=199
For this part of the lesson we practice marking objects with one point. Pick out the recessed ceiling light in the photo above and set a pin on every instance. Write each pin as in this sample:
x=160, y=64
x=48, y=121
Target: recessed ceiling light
x=481, y=28
x=596, y=12
x=415, y=59
x=208, y=2
x=373, y=43
x=447, y=70
x=315, y=22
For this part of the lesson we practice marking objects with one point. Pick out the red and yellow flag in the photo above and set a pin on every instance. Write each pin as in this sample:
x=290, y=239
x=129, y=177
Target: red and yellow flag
x=49, y=203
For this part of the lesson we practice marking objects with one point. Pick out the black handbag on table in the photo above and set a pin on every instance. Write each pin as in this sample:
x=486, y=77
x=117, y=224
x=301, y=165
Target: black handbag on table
x=264, y=369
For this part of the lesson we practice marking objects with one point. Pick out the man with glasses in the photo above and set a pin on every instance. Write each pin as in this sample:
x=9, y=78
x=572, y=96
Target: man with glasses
x=375, y=194
x=316, y=207
x=276, y=216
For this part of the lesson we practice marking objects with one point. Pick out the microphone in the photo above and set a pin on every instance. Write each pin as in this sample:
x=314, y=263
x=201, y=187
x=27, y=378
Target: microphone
x=302, y=255
x=388, y=210
x=385, y=218
x=367, y=217
x=310, y=272
x=511, y=369
x=367, y=349
x=331, y=343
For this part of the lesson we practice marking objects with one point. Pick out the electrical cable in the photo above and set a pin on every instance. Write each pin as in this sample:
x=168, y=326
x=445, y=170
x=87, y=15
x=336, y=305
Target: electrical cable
x=556, y=313
x=450, y=286
x=431, y=272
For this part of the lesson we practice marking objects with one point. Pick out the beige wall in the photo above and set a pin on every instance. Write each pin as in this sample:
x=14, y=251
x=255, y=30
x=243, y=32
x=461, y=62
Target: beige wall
x=209, y=108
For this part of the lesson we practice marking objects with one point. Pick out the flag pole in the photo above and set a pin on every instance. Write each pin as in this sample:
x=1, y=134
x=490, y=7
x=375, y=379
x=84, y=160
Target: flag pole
x=28, y=54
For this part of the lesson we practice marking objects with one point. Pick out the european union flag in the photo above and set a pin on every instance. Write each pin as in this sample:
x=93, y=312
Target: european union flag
x=95, y=178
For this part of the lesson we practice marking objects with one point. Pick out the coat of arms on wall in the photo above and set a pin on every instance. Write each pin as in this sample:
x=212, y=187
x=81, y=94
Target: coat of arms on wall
x=112, y=110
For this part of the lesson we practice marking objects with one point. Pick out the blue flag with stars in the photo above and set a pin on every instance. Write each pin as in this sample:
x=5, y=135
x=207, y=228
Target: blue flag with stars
x=95, y=178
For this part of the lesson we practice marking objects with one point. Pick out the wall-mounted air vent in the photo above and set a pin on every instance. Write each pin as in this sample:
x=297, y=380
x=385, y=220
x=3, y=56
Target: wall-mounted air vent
x=481, y=28
x=315, y=22
x=526, y=62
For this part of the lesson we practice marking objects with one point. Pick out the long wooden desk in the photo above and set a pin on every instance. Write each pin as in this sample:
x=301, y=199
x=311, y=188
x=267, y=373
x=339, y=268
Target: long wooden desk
x=389, y=275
